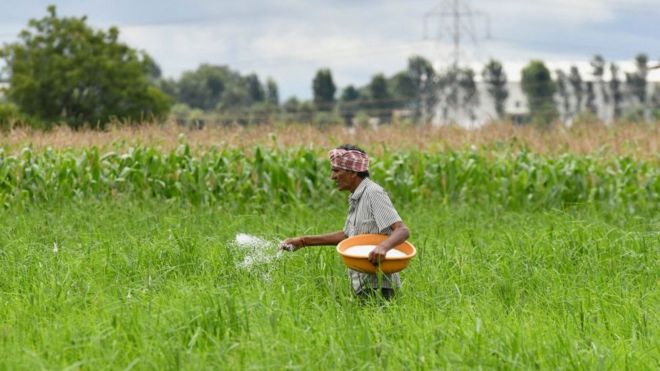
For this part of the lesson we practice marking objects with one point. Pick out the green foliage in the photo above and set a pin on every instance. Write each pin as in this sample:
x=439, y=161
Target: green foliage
x=157, y=285
x=180, y=113
x=323, y=119
x=655, y=113
x=324, y=90
x=204, y=87
x=495, y=79
x=380, y=102
x=362, y=119
x=633, y=115
x=575, y=79
x=636, y=81
x=590, y=103
x=468, y=86
x=306, y=112
x=235, y=98
x=350, y=94
x=598, y=65
x=417, y=88
x=9, y=115
x=263, y=113
x=539, y=89
x=615, y=90
x=586, y=118
x=291, y=110
x=269, y=177
x=272, y=92
x=562, y=90
x=255, y=90
x=63, y=70
x=349, y=104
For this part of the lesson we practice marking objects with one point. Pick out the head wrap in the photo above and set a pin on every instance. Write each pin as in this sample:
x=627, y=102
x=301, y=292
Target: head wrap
x=349, y=160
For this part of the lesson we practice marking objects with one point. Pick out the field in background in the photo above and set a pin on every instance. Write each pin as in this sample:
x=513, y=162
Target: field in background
x=155, y=285
x=154, y=247
x=638, y=140
x=260, y=178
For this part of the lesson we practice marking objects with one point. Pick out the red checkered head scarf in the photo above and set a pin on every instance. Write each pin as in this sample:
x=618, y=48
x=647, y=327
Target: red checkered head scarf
x=351, y=160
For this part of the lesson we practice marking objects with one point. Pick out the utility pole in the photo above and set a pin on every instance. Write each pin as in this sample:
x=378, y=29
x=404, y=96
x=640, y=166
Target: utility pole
x=461, y=16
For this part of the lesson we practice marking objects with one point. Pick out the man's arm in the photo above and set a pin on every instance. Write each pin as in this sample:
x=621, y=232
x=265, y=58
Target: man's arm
x=316, y=240
x=400, y=234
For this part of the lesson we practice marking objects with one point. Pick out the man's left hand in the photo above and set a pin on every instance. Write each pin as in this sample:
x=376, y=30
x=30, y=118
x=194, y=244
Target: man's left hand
x=377, y=255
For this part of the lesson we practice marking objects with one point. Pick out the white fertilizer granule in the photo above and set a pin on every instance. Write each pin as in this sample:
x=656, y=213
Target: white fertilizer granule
x=258, y=252
x=364, y=250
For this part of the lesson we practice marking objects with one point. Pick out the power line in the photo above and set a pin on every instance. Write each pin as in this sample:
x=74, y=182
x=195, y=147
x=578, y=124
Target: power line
x=458, y=12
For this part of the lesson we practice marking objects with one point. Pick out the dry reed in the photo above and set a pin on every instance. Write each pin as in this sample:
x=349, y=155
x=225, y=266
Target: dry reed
x=640, y=140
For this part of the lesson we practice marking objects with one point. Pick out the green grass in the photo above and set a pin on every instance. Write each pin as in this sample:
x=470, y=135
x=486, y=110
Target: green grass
x=154, y=285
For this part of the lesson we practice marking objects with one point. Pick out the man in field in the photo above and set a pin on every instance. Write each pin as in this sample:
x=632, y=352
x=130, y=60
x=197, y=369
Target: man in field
x=370, y=211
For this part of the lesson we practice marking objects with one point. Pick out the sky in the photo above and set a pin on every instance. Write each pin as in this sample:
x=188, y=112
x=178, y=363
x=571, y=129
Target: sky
x=289, y=40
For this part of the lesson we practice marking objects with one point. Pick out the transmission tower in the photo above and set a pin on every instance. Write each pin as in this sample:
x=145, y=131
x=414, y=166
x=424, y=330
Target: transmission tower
x=462, y=24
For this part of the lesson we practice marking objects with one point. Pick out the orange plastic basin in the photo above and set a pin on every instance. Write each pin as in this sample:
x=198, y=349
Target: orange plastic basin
x=362, y=263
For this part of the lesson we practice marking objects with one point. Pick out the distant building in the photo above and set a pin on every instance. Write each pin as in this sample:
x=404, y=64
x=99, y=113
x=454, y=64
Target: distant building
x=516, y=109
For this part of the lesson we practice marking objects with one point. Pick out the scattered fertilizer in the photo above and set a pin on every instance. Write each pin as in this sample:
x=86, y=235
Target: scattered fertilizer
x=248, y=241
x=364, y=250
x=258, y=250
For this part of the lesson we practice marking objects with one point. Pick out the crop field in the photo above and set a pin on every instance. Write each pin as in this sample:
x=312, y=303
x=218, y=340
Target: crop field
x=637, y=140
x=162, y=254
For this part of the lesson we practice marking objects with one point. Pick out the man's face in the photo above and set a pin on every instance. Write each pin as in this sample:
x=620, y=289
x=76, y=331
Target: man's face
x=343, y=178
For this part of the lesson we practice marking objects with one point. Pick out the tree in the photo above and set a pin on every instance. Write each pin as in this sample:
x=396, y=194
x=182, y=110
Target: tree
x=381, y=100
x=169, y=87
x=350, y=94
x=415, y=88
x=324, y=90
x=636, y=81
x=562, y=90
x=591, y=98
x=272, y=92
x=615, y=90
x=470, y=94
x=404, y=90
x=204, y=87
x=291, y=105
x=255, y=90
x=598, y=65
x=349, y=103
x=495, y=79
x=63, y=70
x=153, y=69
x=575, y=80
x=539, y=89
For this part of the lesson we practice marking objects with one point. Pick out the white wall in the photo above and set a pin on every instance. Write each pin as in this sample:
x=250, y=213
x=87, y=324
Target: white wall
x=516, y=103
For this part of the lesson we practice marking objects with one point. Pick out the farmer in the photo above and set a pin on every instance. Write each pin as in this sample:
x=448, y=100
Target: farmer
x=370, y=211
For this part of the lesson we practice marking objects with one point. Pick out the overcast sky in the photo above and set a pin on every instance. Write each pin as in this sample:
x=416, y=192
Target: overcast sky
x=289, y=40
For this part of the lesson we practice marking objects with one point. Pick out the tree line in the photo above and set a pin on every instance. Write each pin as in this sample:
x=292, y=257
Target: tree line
x=63, y=71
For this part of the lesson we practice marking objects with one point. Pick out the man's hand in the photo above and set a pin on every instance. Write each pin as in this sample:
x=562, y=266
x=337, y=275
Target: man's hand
x=377, y=255
x=292, y=244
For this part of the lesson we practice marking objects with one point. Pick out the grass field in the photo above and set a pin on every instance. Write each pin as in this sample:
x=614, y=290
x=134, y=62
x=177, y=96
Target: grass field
x=160, y=285
x=155, y=248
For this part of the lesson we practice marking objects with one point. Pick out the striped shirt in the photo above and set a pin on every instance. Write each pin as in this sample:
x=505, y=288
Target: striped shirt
x=370, y=211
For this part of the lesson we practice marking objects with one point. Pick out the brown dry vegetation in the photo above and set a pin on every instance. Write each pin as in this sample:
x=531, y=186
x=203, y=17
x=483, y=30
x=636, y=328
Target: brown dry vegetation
x=639, y=140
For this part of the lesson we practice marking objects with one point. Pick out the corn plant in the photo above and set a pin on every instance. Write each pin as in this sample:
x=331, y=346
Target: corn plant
x=277, y=177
